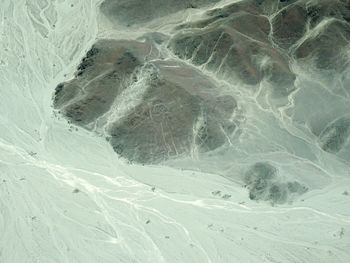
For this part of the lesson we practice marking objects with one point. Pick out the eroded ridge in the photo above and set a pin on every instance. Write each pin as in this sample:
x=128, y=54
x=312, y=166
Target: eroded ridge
x=173, y=117
x=101, y=76
x=234, y=43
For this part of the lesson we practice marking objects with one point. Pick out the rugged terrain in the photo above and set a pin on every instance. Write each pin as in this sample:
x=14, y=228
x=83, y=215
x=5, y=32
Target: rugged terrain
x=174, y=131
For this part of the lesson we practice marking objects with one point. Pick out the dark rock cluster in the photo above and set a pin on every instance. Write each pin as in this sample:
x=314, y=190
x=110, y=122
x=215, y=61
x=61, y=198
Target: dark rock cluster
x=264, y=184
